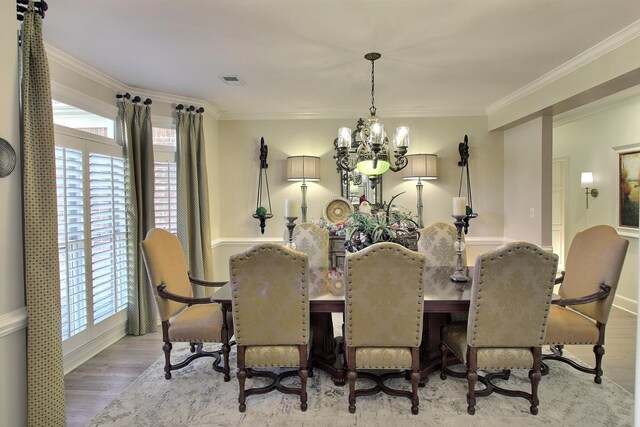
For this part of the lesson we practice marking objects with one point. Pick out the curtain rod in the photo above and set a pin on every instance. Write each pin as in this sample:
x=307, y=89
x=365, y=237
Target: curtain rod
x=136, y=98
x=190, y=108
x=40, y=6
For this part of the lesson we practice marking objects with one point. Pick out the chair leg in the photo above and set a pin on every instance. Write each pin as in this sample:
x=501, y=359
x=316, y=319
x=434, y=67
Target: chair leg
x=351, y=376
x=167, y=359
x=535, y=375
x=415, y=379
x=443, y=360
x=242, y=375
x=304, y=374
x=599, y=352
x=472, y=378
x=226, y=370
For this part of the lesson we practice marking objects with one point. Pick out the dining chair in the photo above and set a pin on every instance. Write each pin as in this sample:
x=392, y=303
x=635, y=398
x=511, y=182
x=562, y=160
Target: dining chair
x=383, y=310
x=314, y=241
x=587, y=289
x=436, y=243
x=270, y=301
x=510, y=298
x=184, y=318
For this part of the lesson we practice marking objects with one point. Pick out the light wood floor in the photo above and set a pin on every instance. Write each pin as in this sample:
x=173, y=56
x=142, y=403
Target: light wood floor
x=93, y=385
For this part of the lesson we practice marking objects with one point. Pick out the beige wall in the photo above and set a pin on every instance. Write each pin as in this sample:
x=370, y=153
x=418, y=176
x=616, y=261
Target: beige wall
x=527, y=182
x=13, y=394
x=587, y=142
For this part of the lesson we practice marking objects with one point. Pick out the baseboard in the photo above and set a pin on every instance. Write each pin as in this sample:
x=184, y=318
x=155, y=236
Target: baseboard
x=85, y=352
x=13, y=321
x=627, y=304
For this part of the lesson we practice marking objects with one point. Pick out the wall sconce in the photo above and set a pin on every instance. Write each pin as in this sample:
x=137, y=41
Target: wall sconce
x=421, y=166
x=586, y=182
x=303, y=168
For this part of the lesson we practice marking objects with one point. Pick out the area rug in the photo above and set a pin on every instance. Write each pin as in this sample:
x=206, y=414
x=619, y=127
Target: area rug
x=196, y=395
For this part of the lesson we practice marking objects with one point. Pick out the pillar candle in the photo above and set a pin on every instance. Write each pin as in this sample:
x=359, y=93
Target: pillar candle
x=459, y=206
x=290, y=208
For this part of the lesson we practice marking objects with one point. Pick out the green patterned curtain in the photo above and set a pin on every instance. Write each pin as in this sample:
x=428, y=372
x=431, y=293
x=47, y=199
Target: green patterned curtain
x=194, y=228
x=45, y=376
x=134, y=133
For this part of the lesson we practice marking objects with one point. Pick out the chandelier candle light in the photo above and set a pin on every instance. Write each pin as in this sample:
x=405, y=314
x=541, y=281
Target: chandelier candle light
x=367, y=148
x=459, y=214
x=290, y=210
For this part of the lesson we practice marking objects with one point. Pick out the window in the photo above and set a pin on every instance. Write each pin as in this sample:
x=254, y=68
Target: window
x=76, y=118
x=165, y=197
x=92, y=230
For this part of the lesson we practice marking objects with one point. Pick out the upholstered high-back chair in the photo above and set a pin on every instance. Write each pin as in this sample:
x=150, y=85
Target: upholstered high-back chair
x=510, y=297
x=270, y=297
x=314, y=241
x=436, y=244
x=384, y=304
x=588, y=287
x=184, y=318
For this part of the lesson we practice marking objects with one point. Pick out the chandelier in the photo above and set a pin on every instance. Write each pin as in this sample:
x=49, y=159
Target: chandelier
x=367, y=147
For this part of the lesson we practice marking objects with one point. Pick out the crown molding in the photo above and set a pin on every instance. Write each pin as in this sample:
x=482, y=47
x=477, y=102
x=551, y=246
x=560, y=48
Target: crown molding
x=350, y=114
x=609, y=44
x=67, y=61
x=628, y=96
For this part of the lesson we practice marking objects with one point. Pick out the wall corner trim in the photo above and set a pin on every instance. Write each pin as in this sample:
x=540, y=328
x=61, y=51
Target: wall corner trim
x=13, y=321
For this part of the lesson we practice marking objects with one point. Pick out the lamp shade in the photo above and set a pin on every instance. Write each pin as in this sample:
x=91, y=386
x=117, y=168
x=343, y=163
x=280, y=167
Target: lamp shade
x=421, y=166
x=303, y=168
x=586, y=179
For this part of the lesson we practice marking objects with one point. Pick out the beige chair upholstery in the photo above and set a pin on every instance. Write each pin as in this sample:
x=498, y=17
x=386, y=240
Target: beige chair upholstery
x=270, y=300
x=184, y=318
x=588, y=287
x=510, y=299
x=436, y=244
x=384, y=307
x=314, y=241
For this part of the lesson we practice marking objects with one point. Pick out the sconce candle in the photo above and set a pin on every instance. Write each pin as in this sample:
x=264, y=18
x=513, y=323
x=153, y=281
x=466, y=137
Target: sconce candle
x=290, y=209
x=459, y=206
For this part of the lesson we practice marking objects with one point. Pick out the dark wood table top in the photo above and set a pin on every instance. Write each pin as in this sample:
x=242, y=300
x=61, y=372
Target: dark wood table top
x=441, y=295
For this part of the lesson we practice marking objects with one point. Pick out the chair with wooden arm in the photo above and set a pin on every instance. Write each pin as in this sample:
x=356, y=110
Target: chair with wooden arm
x=587, y=289
x=184, y=318
x=270, y=300
x=510, y=298
x=383, y=311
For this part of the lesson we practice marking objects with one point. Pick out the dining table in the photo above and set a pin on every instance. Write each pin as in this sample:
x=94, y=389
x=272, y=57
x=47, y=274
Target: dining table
x=442, y=296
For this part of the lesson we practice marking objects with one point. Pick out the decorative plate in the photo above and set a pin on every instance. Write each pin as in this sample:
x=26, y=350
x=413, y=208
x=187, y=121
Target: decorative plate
x=7, y=158
x=337, y=210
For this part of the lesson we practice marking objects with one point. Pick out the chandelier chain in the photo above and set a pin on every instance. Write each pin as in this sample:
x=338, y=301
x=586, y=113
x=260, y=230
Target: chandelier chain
x=372, y=110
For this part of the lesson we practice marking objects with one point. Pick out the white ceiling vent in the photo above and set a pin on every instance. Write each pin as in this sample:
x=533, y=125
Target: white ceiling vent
x=232, y=80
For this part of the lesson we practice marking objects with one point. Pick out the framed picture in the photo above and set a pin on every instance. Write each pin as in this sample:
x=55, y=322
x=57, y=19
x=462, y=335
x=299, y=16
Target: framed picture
x=629, y=188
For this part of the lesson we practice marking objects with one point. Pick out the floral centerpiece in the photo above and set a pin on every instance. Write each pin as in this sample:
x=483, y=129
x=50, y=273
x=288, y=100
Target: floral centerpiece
x=384, y=223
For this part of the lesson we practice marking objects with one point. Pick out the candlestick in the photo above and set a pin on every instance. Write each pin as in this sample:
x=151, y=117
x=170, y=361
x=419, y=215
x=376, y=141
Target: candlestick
x=290, y=208
x=458, y=274
x=291, y=224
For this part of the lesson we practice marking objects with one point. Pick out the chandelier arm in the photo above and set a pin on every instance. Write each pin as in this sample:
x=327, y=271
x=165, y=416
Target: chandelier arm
x=400, y=163
x=344, y=164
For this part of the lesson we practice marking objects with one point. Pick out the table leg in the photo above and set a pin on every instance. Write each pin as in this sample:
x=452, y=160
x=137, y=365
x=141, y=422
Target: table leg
x=324, y=347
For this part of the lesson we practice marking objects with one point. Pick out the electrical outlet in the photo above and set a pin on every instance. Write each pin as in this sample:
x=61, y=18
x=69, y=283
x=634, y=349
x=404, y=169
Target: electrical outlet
x=532, y=212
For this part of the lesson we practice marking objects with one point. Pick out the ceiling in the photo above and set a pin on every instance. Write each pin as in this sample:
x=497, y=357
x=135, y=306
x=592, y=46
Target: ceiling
x=305, y=58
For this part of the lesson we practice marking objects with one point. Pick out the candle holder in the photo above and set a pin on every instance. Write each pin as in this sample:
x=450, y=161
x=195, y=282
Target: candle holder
x=291, y=224
x=458, y=275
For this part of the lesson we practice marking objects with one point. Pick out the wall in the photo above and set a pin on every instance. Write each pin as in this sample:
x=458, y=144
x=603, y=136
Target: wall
x=527, y=182
x=587, y=141
x=239, y=149
x=13, y=386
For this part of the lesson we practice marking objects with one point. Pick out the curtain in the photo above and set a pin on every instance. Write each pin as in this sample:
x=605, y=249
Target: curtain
x=134, y=133
x=194, y=228
x=45, y=376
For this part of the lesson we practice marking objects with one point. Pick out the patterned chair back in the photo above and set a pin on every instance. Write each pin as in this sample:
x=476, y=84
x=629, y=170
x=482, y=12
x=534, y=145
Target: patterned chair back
x=314, y=241
x=510, y=296
x=384, y=297
x=166, y=265
x=595, y=257
x=270, y=296
x=436, y=244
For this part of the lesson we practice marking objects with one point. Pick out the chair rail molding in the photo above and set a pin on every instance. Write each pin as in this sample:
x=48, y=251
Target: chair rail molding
x=13, y=321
